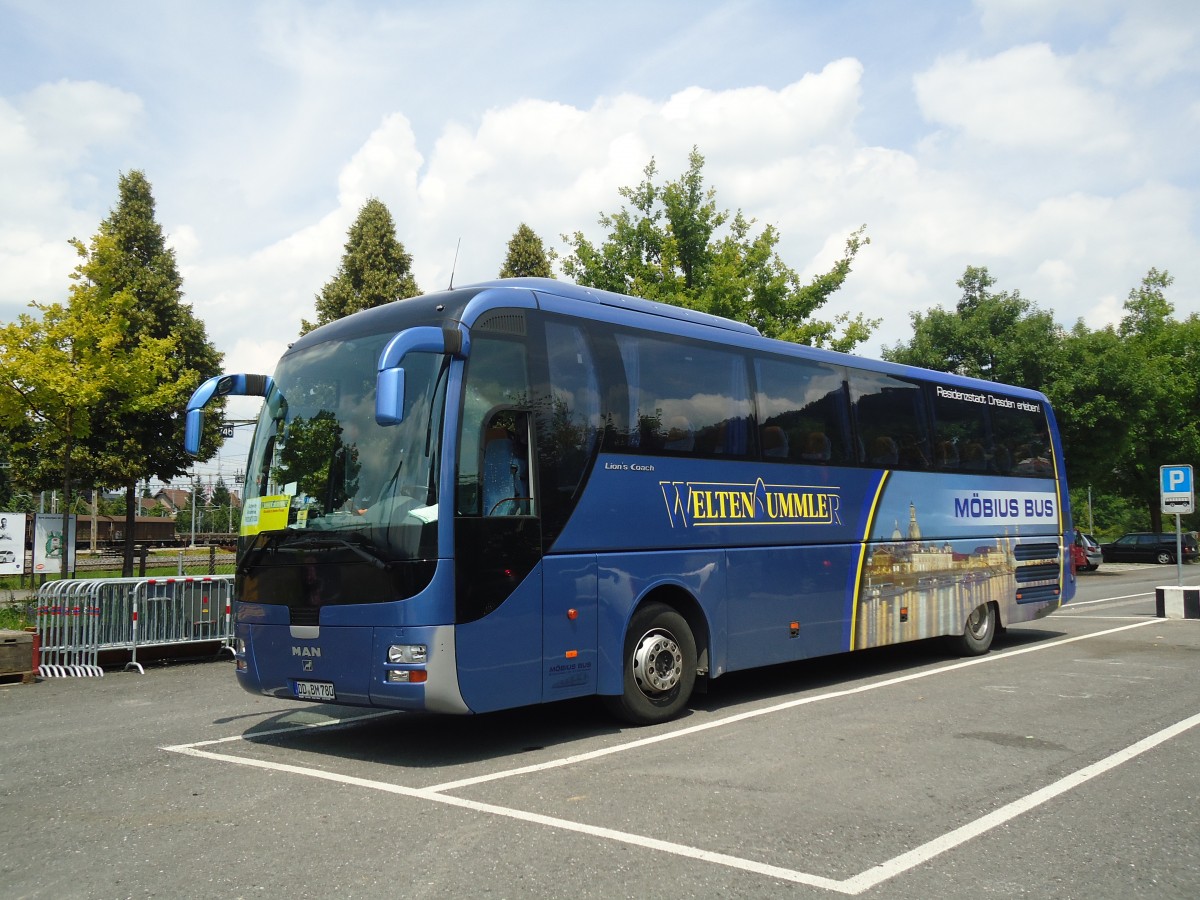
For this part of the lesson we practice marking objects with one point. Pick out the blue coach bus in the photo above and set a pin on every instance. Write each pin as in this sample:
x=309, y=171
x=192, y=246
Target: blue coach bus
x=524, y=491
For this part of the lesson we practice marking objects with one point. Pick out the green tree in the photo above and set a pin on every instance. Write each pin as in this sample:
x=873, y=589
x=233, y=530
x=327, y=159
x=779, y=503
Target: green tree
x=998, y=336
x=672, y=244
x=1155, y=361
x=527, y=256
x=56, y=370
x=225, y=513
x=375, y=269
x=137, y=428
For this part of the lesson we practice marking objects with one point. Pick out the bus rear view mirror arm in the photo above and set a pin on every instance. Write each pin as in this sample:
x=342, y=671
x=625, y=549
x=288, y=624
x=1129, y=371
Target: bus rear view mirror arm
x=389, y=383
x=240, y=385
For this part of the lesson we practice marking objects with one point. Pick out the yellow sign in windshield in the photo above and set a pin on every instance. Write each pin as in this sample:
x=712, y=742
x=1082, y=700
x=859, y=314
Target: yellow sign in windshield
x=265, y=514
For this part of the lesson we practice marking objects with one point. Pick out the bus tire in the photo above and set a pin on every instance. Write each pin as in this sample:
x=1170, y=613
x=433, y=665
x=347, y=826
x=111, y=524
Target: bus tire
x=978, y=632
x=658, y=666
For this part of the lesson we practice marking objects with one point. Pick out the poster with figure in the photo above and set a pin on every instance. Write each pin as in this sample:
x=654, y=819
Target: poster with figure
x=12, y=543
x=49, y=543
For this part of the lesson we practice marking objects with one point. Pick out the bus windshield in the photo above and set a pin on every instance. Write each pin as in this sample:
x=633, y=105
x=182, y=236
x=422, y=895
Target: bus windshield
x=320, y=462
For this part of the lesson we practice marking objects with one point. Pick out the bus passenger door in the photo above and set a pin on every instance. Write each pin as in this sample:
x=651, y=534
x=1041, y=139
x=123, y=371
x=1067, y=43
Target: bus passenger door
x=569, y=627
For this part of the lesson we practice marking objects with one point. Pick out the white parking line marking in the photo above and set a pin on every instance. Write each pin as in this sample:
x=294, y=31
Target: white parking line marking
x=853, y=885
x=1076, y=603
x=766, y=710
x=521, y=815
x=856, y=884
x=952, y=839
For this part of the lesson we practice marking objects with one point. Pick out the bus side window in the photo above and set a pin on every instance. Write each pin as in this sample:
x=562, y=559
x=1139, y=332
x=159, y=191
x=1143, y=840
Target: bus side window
x=568, y=429
x=686, y=398
x=890, y=420
x=803, y=410
x=1020, y=442
x=960, y=434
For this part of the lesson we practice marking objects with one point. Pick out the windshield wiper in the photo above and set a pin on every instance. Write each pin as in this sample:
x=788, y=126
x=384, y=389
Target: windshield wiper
x=330, y=543
x=273, y=542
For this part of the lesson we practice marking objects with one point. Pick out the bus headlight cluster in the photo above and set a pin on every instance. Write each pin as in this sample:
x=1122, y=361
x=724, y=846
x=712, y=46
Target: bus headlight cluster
x=407, y=653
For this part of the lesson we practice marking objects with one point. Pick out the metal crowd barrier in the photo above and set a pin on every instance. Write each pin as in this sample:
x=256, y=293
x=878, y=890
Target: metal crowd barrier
x=76, y=620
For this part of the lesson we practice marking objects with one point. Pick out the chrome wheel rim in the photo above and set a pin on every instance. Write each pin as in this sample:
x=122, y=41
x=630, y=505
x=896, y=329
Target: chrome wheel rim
x=657, y=663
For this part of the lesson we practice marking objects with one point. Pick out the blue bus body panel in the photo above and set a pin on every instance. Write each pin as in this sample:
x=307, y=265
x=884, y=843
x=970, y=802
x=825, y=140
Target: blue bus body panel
x=345, y=649
x=500, y=655
x=569, y=627
x=770, y=588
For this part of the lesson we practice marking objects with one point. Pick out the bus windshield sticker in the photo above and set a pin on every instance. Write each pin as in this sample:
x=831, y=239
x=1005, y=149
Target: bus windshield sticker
x=265, y=514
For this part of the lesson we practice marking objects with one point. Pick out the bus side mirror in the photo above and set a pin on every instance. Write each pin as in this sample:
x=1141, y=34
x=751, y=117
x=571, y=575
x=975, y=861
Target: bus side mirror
x=220, y=386
x=389, y=382
x=389, y=396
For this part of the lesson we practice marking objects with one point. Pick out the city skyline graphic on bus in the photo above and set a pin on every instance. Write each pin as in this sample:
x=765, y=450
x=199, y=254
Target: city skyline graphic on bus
x=924, y=573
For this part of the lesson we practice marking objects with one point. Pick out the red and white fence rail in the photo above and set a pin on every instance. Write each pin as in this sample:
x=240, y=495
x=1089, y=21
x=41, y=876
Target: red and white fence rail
x=77, y=620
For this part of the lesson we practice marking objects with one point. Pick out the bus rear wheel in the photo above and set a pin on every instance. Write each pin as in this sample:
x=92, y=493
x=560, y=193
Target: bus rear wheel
x=978, y=632
x=659, y=666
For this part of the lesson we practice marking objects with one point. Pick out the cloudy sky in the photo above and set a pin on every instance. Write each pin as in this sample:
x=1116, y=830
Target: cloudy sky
x=1056, y=142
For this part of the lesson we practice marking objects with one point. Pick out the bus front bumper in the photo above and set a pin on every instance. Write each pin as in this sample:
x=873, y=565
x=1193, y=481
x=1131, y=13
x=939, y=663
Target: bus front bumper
x=413, y=668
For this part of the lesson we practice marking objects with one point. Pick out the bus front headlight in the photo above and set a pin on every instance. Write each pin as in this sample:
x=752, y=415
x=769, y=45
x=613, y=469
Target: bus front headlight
x=407, y=653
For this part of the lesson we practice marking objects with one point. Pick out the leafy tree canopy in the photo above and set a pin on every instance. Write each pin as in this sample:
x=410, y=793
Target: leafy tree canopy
x=999, y=336
x=672, y=244
x=375, y=269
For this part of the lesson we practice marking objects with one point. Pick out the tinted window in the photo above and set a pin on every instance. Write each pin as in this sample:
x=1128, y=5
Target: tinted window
x=889, y=417
x=569, y=416
x=1020, y=444
x=802, y=411
x=960, y=434
x=684, y=398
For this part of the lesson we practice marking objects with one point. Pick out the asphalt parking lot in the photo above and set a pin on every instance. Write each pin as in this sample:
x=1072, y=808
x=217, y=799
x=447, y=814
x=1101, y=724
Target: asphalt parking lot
x=1063, y=764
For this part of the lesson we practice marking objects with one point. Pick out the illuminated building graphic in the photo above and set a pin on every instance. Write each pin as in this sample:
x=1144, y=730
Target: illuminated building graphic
x=912, y=588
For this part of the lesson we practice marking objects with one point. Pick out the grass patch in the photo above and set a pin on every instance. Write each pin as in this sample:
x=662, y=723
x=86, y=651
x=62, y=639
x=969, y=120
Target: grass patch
x=15, y=618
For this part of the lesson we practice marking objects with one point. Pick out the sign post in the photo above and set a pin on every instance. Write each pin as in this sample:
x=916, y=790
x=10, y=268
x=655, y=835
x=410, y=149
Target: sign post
x=1178, y=499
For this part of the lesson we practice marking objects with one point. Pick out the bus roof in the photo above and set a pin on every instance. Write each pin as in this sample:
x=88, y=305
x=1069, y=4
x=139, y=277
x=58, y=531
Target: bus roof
x=448, y=306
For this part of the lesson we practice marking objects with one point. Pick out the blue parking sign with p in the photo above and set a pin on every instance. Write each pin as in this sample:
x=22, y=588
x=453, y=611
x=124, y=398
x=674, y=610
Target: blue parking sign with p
x=1175, y=483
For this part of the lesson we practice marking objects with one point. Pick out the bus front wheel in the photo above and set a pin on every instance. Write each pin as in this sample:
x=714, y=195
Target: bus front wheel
x=978, y=632
x=659, y=666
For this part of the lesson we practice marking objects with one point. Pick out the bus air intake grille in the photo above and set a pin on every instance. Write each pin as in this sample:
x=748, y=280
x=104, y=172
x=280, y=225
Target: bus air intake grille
x=1026, y=552
x=1043, y=572
x=504, y=323
x=304, y=615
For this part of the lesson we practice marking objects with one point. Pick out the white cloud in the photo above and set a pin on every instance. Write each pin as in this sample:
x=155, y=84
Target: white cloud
x=1025, y=98
x=68, y=118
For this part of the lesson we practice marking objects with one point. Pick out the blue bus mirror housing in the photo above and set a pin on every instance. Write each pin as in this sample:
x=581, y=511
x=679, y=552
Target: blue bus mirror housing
x=389, y=396
x=389, y=382
x=240, y=385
